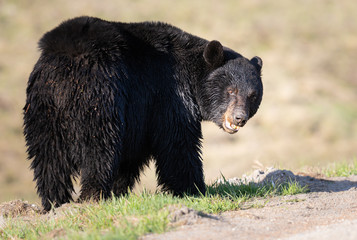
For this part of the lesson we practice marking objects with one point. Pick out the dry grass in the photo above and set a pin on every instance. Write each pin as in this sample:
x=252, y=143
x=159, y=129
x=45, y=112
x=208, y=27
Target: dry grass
x=308, y=115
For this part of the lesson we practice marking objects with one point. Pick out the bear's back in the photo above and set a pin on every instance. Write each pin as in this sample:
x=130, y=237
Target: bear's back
x=80, y=36
x=88, y=36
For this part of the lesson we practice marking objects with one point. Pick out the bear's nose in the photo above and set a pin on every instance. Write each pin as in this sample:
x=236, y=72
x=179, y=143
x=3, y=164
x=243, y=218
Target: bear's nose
x=241, y=119
x=241, y=122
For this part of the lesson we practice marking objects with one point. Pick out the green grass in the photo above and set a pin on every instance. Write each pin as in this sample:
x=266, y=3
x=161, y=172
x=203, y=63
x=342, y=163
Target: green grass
x=134, y=215
x=343, y=169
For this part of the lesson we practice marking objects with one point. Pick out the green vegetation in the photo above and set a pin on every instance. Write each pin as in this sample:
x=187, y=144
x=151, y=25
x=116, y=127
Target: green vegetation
x=135, y=214
x=343, y=169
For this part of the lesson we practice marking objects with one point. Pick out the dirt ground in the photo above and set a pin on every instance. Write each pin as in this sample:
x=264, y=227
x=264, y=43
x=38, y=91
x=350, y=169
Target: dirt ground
x=328, y=211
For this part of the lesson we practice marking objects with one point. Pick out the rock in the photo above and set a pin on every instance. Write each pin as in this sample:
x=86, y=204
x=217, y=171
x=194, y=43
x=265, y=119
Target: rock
x=18, y=208
x=187, y=216
x=268, y=176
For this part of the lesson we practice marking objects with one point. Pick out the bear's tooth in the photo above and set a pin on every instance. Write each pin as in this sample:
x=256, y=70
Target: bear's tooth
x=228, y=125
x=235, y=127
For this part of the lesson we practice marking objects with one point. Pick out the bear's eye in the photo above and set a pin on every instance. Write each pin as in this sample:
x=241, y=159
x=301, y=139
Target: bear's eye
x=232, y=91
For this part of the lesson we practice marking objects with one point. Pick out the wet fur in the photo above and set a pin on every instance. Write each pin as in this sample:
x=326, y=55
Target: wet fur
x=105, y=98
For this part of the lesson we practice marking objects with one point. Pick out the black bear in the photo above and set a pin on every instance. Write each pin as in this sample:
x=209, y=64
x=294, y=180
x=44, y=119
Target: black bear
x=106, y=97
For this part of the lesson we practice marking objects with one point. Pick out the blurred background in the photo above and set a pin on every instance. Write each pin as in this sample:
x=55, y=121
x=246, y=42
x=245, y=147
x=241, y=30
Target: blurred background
x=308, y=117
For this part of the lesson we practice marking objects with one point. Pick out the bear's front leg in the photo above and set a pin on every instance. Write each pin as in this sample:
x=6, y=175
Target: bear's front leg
x=178, y=161
x=127, y=174
x=95, y=186
x=98, y=167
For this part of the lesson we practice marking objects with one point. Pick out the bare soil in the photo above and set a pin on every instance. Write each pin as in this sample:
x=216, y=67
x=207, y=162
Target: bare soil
x=328, y=211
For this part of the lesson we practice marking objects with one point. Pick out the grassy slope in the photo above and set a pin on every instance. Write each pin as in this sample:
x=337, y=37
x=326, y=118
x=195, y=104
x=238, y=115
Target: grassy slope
x=135, y=215
x=308, y=115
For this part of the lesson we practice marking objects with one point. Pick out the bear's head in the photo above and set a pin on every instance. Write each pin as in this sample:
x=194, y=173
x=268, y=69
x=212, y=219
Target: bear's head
x=232, y=92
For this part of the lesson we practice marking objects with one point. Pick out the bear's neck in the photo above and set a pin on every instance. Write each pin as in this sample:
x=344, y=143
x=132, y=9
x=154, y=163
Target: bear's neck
x=187, y=52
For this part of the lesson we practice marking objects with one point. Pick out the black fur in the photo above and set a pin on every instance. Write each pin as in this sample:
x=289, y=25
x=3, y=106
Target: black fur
x=106, y=97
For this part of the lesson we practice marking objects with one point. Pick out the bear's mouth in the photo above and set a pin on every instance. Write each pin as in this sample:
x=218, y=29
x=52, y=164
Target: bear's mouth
x=230, y=127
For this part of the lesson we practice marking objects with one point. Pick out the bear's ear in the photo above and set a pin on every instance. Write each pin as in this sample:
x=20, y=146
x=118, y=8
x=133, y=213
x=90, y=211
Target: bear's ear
x=213, y=53
x=257, y=62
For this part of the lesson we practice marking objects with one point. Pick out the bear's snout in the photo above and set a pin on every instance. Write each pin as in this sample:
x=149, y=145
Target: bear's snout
x=240, y=118
x=234, y=118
